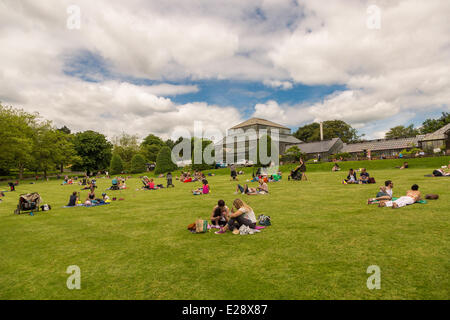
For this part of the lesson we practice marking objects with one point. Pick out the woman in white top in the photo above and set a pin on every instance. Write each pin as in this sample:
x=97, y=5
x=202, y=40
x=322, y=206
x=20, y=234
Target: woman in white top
x=243, y=215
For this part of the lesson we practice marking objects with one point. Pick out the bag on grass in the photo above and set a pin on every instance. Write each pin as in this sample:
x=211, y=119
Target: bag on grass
x=371, y=180
x=264, y=220
x=46, y=207
x=201, y=226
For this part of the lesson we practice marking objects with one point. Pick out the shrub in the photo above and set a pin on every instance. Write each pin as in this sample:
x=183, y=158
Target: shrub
x=116, y=165
x=138, y=164
x=164, y=161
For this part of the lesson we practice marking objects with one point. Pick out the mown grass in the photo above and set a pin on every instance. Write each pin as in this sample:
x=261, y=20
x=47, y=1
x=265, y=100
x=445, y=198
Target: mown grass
x=323, y=238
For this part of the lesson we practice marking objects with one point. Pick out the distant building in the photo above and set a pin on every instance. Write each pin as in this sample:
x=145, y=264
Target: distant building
x=323, y=148
x=437, y=139
x=382, y=147
x=259, y=127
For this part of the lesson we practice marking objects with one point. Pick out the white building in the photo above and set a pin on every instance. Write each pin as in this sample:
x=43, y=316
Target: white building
x=241, y=140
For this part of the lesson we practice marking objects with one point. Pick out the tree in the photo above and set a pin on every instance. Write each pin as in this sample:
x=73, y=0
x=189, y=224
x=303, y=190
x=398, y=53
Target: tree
x=308, y=133
x=93, y=149
x=401, y=132
x=16, y=138
x=138, y=164
x=126, y=146
x=151, y=146
x=331, y=129
x=51, y=148
x=293, y=154
x=432, y=125
x=164, y=161
x=116, y=165
x=64, y=130
x=200, y=143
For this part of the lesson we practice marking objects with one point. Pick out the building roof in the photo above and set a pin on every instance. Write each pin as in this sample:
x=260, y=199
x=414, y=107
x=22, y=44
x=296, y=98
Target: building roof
x=382, y=144
x=260, y=121
x=289, y=139
x=318, y=146
x=438, y=134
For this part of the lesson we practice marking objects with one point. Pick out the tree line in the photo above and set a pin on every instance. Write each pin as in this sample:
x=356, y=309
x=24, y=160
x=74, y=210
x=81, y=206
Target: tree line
x=348, y=134
x=29, y=142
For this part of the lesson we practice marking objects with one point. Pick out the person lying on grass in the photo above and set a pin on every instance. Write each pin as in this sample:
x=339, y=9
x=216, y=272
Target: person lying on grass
x=203, y=189
x=412, y=196
x=241, y=214
x=351, y=178
x=261, y=189
x=335, y=167
x=219, y=216
x=440, y=173
x=385, y=193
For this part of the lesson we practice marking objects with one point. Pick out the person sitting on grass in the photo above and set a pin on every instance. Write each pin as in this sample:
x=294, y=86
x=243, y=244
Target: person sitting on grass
x=364, y=176
x=351, y=178
x=263, y=188
x=105, y=198
x=219, y=216
x=404, y=166
x=335, y=167
x=412, y=196
x=73, y=200
x=90, y=198
x=151, y=185
x=384, y=194
x=242, y=215
x=203, y=189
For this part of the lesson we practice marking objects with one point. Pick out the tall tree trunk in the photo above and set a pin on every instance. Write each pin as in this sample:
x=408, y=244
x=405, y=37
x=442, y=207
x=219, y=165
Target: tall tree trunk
x=62, y=167
x=21, y=171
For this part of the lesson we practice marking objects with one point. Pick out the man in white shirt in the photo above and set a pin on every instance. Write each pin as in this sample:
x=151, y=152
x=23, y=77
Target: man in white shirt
x=384, y=194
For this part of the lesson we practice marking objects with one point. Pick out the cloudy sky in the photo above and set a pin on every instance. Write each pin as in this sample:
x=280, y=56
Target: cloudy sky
x=156, y=66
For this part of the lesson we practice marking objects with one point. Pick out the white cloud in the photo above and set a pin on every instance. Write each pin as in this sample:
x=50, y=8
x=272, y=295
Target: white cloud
x=284, y=85
x=403, y=68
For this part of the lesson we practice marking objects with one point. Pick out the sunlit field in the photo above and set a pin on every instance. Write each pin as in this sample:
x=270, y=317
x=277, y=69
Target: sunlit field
x=323, y=238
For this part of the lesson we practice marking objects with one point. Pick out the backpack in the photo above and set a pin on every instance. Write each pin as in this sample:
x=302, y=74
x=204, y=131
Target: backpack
x=201, y=226
x=371, y=180
x=46, y=207
x=264, y=220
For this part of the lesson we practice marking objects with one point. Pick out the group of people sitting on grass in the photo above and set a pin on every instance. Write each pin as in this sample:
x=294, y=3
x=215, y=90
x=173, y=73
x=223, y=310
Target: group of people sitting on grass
x=262, y=188
x=118, y=183
x=232, y=220
x=364, y=177
x=188, y=177
x=149, y=184
x=385, y=196
x=91, y=199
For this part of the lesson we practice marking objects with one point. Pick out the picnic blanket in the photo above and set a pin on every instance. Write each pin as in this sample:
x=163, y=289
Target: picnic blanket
x=393, y=199
x=83, y=205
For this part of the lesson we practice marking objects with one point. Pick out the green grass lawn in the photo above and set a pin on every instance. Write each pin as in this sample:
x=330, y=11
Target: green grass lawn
x=323, y=238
